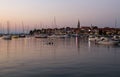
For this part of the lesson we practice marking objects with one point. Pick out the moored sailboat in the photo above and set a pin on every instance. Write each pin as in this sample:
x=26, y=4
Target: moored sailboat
x=41, y=36
x=7, y=36
x=107, y=41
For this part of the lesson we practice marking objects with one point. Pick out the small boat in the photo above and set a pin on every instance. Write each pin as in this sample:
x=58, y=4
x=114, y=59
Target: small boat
x=22, y=36
x=115, y=37
x=41, y=36
x=63, y=36
x=93, y=38
x=15, y=36
x=59, y=36
x=7, y=37
x=107, y=41
x=53, y=36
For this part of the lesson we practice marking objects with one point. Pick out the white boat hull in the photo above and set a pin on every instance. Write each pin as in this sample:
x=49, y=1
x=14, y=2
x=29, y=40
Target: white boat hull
x=58, y=36
x=7, y=37
x=111, y=42
x=41, y=36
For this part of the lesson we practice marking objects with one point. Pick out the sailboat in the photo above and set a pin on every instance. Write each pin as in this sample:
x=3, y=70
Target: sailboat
x=57, y=34
x=1, y=34
x=22, y=35
x=15, y=35
x=108, y=42
x=7, y=36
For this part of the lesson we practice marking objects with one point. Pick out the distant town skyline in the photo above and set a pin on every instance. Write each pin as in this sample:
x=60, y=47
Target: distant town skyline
x=41, y=13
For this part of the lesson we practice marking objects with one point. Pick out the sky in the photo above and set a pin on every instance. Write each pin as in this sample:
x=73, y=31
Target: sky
x=66, y=12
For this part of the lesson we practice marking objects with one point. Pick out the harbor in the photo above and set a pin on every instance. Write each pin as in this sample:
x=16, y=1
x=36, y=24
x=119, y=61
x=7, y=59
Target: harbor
x=59, y=38
x=105, y=35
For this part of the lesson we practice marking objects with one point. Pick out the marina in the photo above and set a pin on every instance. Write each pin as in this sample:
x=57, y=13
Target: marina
x=59, y=38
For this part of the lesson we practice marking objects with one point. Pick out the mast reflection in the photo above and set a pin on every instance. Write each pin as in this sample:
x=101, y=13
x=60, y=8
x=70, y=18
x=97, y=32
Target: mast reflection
x=8, y=48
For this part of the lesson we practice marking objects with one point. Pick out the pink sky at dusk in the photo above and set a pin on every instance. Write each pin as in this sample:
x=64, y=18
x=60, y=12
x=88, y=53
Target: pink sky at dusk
x=67, y=12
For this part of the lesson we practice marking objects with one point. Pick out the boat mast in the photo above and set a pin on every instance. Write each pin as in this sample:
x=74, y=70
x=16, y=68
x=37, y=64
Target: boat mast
x=55, y=25
x=55, y=22
x=1, y=28
x=8, y=24
x=15, y=28
x=23, y=27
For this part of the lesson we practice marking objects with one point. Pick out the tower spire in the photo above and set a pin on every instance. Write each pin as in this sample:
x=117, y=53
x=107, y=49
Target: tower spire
x=78, y=25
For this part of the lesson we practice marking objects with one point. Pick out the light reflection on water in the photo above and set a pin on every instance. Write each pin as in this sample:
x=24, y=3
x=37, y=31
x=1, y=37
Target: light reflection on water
x=68, y=57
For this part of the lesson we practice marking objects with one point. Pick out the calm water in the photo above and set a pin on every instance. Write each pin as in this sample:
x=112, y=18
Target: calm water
x=70, y=57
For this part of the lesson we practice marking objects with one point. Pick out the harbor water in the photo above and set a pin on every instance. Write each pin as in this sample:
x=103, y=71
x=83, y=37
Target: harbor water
x=64, y=57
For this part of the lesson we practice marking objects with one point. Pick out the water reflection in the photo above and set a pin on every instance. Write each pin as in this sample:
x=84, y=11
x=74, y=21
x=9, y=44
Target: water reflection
x=78, y=44
x=35, y=58
x=8, y=48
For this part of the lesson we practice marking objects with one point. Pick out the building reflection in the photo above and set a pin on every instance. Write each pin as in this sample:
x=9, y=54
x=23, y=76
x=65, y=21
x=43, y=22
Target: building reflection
x=89, y=44
x=78, y=44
